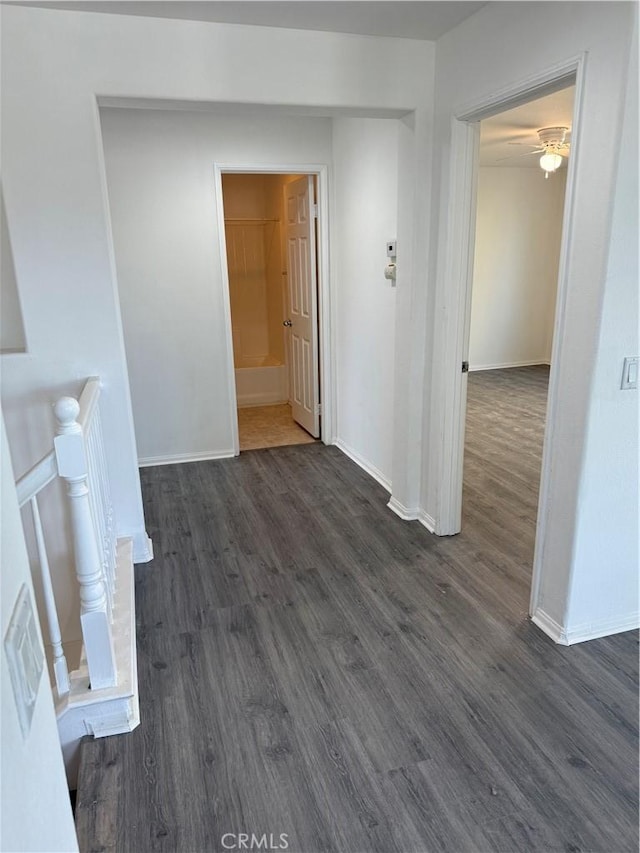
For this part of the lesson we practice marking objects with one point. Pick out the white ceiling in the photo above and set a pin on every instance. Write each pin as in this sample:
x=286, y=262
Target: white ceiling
x=414, y=20
x=519, y=125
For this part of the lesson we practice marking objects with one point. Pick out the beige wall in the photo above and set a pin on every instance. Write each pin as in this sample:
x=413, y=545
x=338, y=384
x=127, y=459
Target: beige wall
x=255, y=260
x=276, y=258
x=515, y=271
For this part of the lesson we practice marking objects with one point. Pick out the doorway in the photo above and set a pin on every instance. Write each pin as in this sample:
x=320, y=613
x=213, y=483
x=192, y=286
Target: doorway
x=455, y=292
x=271, y=237
x=518, y=235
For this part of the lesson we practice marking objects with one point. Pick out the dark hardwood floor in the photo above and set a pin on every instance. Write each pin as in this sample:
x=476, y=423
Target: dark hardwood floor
x=311, y=665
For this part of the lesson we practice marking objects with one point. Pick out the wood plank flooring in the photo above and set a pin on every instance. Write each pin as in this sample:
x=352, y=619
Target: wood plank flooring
x=312, y=665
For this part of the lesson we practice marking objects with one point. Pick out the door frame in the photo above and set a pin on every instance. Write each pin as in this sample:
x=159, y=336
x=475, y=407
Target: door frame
x=454, y=288
x=326, y=339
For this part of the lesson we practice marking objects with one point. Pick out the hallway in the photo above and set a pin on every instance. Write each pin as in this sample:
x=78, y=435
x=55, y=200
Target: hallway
x=311, y=665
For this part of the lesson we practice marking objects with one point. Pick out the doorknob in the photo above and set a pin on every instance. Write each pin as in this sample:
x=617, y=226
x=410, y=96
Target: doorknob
x=287, y=323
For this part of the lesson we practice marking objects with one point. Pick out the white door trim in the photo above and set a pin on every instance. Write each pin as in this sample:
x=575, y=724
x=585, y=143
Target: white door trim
x=453, y=295
x=325, y=302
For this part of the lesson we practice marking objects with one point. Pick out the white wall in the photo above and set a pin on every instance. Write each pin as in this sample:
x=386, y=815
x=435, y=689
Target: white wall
x=163, y=213
x=366, y=213
x=167, y=247
x=36, y=810
x=11, y=328
x=604, y=582
x=515, y=268
x=55, y=63
x=501, y=45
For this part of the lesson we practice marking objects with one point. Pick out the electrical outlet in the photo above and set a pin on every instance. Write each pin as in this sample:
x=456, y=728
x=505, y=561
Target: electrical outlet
x=630, y=374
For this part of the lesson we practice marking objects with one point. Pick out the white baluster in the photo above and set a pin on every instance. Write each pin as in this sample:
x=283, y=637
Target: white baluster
x=60, y=669
x=95, y=497
x=94, y=615
x=107, y=505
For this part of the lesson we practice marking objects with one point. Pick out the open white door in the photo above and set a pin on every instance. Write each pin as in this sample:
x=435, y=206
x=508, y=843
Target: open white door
x=303, y=303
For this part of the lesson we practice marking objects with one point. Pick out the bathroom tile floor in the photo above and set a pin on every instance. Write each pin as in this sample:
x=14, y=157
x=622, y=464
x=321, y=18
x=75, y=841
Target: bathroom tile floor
x=269, y=426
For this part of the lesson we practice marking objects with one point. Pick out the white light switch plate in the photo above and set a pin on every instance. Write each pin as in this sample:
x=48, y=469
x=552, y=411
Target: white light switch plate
x=25, y=658
x=630, y=374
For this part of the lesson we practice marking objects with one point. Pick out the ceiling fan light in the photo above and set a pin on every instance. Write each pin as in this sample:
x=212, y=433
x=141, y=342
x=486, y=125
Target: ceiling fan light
x=550, y=162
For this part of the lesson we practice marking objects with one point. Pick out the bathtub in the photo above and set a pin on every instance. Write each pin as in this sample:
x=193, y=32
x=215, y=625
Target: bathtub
x=262, y=385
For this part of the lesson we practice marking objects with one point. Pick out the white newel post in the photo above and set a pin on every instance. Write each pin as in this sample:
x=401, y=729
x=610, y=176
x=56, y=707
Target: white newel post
x=94, y=610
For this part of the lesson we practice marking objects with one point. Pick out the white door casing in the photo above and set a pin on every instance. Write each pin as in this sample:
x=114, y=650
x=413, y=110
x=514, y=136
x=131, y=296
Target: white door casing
x=326, y=302
x=303, y=302
x=454, y=294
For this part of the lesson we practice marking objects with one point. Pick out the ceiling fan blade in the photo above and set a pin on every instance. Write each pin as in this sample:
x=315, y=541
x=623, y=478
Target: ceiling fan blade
x=515, y=156
x=529, y=145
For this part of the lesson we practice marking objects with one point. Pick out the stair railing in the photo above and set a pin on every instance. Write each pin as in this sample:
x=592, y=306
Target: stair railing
x=78, y=457
x=28, y=488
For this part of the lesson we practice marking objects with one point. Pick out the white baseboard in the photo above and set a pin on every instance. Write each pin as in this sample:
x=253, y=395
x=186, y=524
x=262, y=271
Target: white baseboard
x=550, y=627
x=427, y=521
x=586, y=631
x=179, y=458
x=602, y=628
x=142, y=548
x=530, y=363
x=364, y=464
x=403, y=512
x=416, y=514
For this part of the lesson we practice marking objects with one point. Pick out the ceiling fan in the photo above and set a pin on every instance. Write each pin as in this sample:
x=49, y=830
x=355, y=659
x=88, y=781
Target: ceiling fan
x=553, y=145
